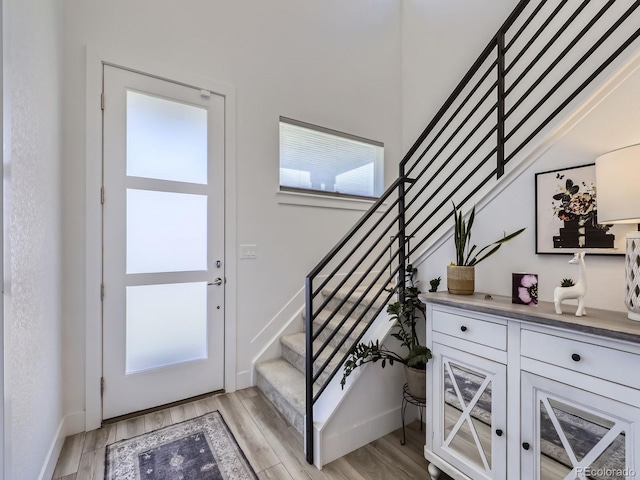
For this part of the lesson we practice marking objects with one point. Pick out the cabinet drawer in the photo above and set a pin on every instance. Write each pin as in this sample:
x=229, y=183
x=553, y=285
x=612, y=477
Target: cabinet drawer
x=593, y=360
x=472, y=329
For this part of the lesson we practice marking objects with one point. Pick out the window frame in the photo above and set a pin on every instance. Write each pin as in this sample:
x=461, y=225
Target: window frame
x=377, y=166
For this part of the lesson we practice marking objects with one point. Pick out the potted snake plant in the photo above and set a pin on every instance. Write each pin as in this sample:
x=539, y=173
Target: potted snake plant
x=461, y=274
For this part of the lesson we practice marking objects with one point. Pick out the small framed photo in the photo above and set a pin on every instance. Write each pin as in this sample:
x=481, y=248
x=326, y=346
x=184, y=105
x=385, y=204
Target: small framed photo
x=567, y=215
x=524, y=289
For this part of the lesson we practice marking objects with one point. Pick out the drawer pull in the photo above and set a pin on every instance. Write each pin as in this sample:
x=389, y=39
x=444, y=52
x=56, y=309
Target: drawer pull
x=499, y=432
x=525, y=445
x=463, y=328
x=575, y=357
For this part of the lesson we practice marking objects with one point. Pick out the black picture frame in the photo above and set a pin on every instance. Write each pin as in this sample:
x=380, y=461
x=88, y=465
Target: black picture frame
x=566, y=215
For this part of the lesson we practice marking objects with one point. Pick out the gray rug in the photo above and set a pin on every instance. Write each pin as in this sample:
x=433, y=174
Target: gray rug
x=199, y=449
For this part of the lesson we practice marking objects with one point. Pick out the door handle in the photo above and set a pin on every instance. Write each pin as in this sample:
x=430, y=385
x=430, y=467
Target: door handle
x=218, y=281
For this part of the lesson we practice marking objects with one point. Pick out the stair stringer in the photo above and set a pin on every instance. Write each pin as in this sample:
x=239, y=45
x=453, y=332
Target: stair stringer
x=368, y=408
x=547, y=138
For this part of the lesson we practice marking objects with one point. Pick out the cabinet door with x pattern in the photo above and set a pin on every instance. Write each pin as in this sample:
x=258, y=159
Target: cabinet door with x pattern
x=470, y=412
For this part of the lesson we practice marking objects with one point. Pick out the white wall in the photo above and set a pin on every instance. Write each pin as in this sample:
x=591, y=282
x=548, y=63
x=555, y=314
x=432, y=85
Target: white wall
x=330, y=63
x=440, y=42
x=32, y=232
x=612, y=124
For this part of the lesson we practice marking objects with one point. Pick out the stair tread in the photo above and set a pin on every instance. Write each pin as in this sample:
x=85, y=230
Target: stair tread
x=344, y=292
x=335, y=321
x=298, y=343
x=287, y=380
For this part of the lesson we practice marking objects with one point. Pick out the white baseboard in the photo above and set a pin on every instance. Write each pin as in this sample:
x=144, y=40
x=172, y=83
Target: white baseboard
x=243, y=380
x=69, y=425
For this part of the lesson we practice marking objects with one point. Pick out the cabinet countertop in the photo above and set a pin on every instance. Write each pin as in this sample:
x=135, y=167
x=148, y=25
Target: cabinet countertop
x=604, y=323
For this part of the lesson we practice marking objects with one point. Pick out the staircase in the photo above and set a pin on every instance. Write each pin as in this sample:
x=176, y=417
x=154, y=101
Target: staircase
x=546, y=60
x=282, y=379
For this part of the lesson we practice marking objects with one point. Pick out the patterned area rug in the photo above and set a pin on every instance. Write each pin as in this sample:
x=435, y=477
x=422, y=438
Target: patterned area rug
x=199, y=449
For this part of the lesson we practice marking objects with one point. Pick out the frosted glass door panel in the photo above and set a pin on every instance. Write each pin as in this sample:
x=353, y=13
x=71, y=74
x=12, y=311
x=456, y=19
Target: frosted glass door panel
x=166, y=140
x=166, y=232
x=166, y=324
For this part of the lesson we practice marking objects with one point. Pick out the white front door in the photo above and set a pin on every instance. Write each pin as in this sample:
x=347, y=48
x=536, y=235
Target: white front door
x=163, y=242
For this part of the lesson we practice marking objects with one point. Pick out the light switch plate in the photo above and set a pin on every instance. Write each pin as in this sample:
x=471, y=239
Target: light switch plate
x=248, y=251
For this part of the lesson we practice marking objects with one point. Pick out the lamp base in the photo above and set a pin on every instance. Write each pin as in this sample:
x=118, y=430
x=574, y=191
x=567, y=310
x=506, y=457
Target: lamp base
x=632, y=273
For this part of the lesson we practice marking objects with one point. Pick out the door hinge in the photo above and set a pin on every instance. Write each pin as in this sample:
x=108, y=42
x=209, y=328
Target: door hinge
x=102, y=195
x=101, y=386
x=102, y=291
x=102, y=101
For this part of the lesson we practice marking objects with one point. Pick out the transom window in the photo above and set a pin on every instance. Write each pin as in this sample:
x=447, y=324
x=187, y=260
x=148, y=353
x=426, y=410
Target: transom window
x=319, y=160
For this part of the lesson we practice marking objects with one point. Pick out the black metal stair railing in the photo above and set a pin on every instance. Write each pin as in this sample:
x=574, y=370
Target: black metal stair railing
x=541, y=60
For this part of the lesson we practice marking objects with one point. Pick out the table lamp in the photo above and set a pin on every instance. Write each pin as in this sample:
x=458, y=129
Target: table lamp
x=618, y=201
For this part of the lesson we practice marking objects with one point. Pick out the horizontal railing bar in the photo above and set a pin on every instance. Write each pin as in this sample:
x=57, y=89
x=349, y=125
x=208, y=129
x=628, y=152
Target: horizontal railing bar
x=346, y=355
x=463, y=142
x=349, y=255
x=572, y=70
x=346, y=317
x=353, y=270
x=525, y=24
x=452, y=174
x=535, y=36
x=457, y=130
x=460, y=204
x=329, y=256
x=557, y=60
x=354, y=288
x=454, y=114
x=453, y=191
x=576, y=92
x=513, y=16
x=456, y=92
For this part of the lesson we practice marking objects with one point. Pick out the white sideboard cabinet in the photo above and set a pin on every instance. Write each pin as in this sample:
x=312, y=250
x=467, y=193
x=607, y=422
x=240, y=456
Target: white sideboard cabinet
x=518, y=392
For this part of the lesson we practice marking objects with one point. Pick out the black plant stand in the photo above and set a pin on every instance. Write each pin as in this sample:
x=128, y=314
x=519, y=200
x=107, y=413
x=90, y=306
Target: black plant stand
x=407, y=399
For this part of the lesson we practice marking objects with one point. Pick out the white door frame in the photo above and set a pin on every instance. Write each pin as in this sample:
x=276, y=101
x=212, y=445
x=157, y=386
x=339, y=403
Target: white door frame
x=96, y=58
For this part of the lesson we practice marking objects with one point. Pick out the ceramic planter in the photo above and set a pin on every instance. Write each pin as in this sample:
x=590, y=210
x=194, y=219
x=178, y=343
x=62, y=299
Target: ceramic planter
x=416, y=382
x=461, y=280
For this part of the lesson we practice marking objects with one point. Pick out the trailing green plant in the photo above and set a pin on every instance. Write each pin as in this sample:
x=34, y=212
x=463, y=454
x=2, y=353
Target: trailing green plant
x=435, y=283
x=567, y=282
x=466, y=255
x=406, y=315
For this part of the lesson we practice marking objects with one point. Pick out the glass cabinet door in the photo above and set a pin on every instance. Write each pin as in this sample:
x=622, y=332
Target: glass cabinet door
x=470, y=412
x=568, y=433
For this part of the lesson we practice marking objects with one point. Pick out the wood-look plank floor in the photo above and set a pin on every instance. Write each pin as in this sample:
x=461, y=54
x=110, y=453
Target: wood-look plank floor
x=272, y=447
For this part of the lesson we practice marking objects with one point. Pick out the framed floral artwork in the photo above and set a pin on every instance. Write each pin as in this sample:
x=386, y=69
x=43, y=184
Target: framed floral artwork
x=567, y=215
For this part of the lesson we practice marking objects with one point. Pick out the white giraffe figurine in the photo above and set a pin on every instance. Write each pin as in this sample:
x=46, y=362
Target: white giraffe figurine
x=575, y=291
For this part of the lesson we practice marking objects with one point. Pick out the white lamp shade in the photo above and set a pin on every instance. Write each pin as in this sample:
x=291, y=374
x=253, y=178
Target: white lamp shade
x=618, y=186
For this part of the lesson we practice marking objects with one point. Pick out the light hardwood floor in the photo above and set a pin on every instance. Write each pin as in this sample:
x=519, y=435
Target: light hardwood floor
x=273, y=448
